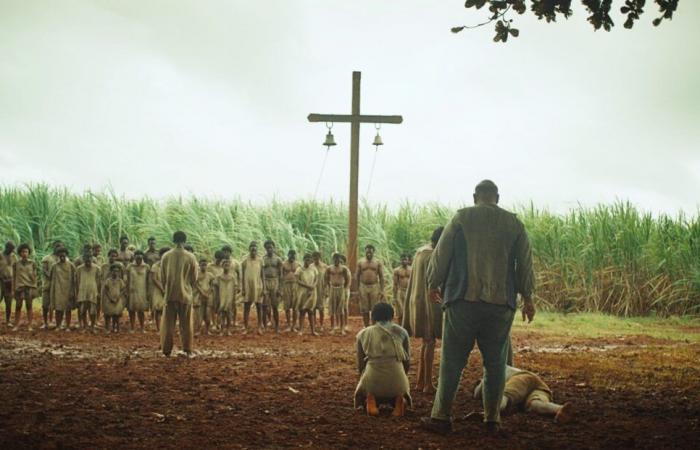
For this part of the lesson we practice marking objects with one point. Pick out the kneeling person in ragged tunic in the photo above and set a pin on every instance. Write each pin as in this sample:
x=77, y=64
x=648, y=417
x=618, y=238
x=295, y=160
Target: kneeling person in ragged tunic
x=525, y=390
x=383, y=358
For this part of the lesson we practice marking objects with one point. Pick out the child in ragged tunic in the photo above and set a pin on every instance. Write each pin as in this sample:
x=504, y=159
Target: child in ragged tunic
x=62, y=289
x=215, y=270
x=202, y=297
x=227, y=287
x=88, y=280
x=113, y=293
x=158, y=293
x=24, y=280
x=137, y=280
x=307, y=280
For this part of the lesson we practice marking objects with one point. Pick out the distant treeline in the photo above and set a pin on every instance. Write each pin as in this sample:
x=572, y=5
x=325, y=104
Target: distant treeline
x=611, y=258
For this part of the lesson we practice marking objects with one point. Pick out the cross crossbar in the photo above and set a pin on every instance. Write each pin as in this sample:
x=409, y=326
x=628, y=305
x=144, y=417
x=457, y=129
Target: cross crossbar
x=349, y=118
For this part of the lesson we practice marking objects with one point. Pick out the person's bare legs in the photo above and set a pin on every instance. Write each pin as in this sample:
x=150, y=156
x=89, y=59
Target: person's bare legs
x=420, y=383
x=365, y=319
x=371, y=404
x=142, y=320
x=18, y=311
x=132, y=321
x=562, y=413
x=399, y=407
x=59, y=319
x=301, y=320
x=158, y=315
x=28, y=302
x=428, y=366
x=312, y=322
x=246, y=316
x=68, y=315
x=260, y=315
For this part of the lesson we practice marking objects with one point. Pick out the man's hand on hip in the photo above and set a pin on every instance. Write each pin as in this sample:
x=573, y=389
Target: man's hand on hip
x=528, y=310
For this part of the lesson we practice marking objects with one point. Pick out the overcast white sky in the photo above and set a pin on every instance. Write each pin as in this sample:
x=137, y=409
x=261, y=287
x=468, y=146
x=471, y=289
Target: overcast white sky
x=211, y=98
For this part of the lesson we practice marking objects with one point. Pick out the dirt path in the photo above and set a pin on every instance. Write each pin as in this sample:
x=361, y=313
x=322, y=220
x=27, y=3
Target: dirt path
x=70, y=390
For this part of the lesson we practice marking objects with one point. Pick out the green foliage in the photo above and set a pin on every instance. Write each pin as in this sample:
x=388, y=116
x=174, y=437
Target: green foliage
x=599, y=13
x=612, y=258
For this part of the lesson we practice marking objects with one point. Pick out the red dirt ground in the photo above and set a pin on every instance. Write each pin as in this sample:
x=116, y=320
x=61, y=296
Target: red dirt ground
x=70, y=390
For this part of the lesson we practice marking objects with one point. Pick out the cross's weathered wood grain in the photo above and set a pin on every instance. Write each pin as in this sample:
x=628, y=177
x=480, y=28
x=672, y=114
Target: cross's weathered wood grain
x=354, y=119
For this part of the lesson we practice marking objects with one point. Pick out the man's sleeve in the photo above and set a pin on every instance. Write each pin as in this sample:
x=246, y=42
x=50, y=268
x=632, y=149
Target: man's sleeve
x=524, y=275
x=442, y=257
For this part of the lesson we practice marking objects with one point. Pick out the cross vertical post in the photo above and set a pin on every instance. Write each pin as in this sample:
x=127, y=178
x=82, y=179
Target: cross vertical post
x=354, y=119
x=354, y=173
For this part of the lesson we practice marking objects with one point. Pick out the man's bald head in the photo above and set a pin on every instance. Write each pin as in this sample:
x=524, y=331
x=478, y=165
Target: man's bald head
x=486, y=192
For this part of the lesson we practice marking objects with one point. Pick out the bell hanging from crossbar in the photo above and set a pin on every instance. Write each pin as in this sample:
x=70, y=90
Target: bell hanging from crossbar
x=330, y=140
x=377, y=140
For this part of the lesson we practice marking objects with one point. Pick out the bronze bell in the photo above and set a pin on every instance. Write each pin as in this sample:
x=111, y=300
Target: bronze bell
x=377, y=140
x=330, y=140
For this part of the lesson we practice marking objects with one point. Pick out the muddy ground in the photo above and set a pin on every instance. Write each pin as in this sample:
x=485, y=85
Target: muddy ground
x=70, y=390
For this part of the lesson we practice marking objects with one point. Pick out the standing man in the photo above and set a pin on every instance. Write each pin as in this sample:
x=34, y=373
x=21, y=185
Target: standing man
x=7, y=291
x=151, y=255
x=400, y=284
x=125, y=254
x=252, y=286
x=422, y=318
x=338, y=280
x=481, y=263
x=272, y=273
x=47, y=263
x=179, y=273
x=321, y=293
x=370, y=282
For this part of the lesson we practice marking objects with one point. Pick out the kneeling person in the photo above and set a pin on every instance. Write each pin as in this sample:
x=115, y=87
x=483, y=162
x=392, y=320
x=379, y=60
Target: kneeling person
x=527, y=391
x=383, y=358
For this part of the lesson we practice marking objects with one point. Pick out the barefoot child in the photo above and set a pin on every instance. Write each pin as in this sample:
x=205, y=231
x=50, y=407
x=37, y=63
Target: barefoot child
x=62, y=289
x=272, y=271
x=202, y=297
x=215, y=270
x=113, y=290
x=158, y=293
x=47, y=263
x=307, y=280
x=226, y=286
x=88, y=279
x=24, y=282
x=289, y=285
x=137, y=280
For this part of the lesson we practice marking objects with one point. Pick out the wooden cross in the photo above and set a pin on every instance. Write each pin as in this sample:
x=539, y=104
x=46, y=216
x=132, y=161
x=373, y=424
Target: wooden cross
x=354, y=119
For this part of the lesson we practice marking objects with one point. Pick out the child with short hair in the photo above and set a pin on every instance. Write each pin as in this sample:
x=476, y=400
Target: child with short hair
x=137, y=280
x=113, y=298
x=227, y=287
x=202, y=297
x=24, y=280
x=62, y=289
x=88, y=279
x=158, y=292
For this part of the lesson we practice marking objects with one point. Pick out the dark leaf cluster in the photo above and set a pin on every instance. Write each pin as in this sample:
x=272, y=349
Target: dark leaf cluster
x=548, y=10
